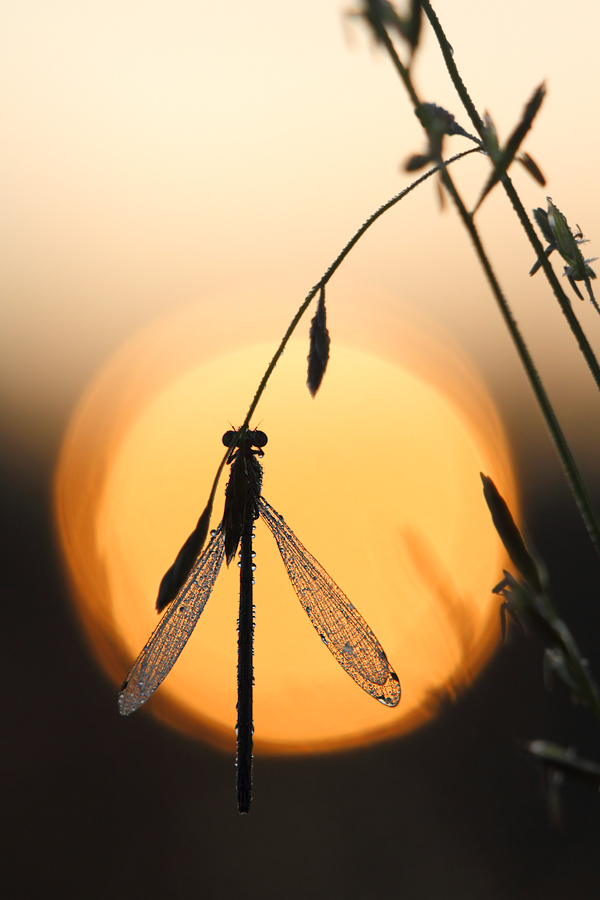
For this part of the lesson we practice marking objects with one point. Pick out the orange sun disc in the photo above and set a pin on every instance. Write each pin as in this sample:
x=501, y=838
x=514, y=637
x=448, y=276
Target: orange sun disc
x=378, y=477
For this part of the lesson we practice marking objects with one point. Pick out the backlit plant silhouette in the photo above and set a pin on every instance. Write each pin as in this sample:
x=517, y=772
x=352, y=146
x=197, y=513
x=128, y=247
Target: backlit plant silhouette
x=525, y=592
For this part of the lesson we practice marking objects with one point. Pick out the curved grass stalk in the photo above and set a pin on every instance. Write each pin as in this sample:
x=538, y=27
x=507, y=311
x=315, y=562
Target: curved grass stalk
x=203, y=523
x=557, y=289
x=569, y=465
x=335, y=266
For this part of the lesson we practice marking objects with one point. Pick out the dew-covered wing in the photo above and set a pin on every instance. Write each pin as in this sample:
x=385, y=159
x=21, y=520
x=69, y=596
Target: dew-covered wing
x=341, y=627
x=174, y=629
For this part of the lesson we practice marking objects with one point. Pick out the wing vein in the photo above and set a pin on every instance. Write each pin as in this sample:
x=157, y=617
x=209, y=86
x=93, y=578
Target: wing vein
x=339, y=624
x=174, y=629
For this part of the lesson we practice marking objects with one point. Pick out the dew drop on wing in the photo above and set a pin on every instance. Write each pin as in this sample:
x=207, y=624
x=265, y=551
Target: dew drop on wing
x=382, y=699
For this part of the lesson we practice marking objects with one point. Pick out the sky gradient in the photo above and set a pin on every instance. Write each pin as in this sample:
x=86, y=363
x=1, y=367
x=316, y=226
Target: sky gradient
x=160, y=159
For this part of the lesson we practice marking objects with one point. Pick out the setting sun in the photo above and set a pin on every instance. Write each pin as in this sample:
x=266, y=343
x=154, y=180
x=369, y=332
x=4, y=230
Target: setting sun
x=379, y=479
x=179, y=181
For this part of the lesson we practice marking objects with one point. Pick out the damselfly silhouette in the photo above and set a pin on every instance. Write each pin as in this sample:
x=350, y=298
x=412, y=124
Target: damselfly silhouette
x=340, y=626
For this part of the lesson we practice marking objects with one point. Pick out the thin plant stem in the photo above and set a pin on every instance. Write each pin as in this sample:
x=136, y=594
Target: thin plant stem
x=571, y=470
x=572, y=473
x=304, y=306
x=448, y=54
x=333, y=268
x=559, y=293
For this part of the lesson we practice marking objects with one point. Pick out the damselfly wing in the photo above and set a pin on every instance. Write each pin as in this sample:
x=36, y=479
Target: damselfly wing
x=339, y=624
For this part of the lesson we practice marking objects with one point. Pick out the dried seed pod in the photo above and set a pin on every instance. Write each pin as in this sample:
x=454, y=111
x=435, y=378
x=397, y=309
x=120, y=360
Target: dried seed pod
x=318, y=354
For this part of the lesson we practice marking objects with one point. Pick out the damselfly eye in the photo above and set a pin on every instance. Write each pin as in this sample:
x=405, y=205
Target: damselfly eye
x=258, y=438
x=339, y=624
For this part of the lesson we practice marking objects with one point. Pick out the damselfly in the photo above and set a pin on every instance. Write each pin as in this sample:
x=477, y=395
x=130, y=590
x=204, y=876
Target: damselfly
x=340, y=626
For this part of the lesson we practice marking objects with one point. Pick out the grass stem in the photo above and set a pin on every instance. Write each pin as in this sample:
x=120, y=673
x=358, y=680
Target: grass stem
x=569, y=465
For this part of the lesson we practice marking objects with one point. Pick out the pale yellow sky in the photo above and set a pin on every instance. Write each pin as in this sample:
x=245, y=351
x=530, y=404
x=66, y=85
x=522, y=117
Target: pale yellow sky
x=155, y=152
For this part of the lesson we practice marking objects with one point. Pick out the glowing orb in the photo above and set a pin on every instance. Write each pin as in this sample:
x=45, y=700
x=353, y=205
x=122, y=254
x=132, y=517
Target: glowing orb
x=378, y=477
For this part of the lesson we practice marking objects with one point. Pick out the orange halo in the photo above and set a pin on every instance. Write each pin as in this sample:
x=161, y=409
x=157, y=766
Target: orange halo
x=379, y=477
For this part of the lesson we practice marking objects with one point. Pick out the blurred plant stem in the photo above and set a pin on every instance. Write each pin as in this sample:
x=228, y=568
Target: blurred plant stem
x=528, y=601
x=432, y=127
x=559, y=293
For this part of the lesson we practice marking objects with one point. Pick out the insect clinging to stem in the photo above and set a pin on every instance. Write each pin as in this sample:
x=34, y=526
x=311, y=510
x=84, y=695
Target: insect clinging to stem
x=339, y=624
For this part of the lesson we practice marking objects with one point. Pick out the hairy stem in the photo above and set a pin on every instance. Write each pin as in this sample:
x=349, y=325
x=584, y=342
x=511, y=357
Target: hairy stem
x=448, y=54
x=572, y=473
x=559, y=293
x=333, y=268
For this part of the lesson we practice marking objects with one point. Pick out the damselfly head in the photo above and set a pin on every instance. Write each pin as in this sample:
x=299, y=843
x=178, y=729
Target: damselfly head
x=254, y=438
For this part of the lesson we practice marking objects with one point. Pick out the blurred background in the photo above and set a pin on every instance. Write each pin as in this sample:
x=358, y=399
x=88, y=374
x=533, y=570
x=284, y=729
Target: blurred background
x=159, y=155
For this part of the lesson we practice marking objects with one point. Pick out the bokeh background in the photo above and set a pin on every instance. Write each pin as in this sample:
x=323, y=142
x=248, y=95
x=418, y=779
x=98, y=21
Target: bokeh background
x=155, y=155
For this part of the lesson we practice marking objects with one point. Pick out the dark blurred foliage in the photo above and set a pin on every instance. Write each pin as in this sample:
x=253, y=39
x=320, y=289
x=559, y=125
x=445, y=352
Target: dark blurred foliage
x=98, y=806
